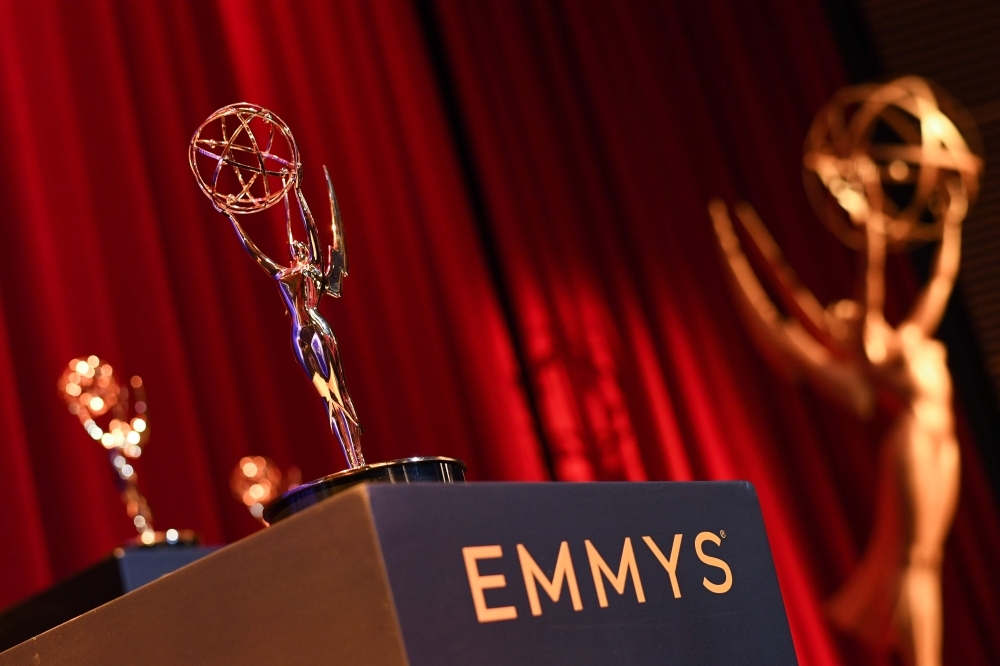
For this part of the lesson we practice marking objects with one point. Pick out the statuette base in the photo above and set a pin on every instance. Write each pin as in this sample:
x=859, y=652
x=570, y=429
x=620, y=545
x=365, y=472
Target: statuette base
x=407, y=470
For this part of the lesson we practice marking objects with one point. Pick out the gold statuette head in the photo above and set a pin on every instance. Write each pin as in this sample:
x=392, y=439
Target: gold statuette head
x=902, y=155
x=256, y=481
x=93, y=394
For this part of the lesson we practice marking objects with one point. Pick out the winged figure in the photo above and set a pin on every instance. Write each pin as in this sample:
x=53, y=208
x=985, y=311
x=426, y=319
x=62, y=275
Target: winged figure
x=848, y=352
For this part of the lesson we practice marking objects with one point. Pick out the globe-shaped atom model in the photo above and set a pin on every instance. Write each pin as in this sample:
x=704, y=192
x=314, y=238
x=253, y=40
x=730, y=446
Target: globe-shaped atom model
x=244, y=158
x=892, y=152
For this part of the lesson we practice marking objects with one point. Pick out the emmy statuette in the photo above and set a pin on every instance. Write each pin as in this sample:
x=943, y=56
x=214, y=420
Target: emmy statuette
x=886, y=167
x=120, y=423
x=245, y=160
x=257, y=481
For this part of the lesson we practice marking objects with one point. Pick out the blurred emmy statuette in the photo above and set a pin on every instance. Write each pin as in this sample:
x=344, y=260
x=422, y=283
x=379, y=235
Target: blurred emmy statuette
x=886, y=167
x=245, y=160
x=257, y=481
x=120, y=422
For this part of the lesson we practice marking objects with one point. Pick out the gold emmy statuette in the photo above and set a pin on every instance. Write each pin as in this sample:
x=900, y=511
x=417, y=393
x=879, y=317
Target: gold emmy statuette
x=245, y=161
x=886, y=167
x=256, y=481
x=92, y=393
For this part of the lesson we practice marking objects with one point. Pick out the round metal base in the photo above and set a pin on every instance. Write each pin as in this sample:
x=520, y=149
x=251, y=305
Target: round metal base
x=407, y=470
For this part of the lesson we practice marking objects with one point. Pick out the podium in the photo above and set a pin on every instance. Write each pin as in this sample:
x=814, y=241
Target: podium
x=479, y=573
x=122, y=571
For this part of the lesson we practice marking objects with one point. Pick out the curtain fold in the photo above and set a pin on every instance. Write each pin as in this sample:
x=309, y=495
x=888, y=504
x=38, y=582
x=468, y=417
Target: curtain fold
x=598, y=131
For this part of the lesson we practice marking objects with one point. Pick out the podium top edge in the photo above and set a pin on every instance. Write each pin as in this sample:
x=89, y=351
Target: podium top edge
x=584, y=484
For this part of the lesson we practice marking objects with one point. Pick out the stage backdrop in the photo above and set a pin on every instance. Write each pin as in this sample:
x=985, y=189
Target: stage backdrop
x=534, y=286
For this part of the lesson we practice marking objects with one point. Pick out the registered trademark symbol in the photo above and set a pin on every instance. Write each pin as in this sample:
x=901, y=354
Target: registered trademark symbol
x=722, y=533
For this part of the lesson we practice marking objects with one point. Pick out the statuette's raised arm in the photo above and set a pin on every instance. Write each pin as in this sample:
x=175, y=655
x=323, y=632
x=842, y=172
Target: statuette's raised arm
x=790, y=346
x=794, y=297
x=933, y=298
x=309, y=223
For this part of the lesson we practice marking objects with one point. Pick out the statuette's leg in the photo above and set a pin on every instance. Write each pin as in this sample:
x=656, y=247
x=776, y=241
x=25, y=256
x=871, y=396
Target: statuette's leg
x=349, y=435
x=318, y=353
x=931, y=473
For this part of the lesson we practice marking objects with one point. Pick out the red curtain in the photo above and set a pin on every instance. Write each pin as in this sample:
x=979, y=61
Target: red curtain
x=597, y=132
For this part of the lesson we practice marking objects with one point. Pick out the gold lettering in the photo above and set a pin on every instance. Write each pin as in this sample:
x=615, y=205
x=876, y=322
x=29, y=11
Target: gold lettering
x=599, y=566
x=669, y=564
x=713, y=562
x=564, y=571
x=478, y=583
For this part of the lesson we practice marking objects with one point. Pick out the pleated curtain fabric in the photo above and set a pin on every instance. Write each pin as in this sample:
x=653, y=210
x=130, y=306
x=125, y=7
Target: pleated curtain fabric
x=557, y=309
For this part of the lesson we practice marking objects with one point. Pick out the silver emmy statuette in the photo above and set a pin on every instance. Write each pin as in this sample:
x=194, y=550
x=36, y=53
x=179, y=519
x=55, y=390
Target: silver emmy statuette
x=245, y=160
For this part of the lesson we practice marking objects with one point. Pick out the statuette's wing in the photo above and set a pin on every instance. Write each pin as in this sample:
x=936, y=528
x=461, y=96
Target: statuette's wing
x=336, y=261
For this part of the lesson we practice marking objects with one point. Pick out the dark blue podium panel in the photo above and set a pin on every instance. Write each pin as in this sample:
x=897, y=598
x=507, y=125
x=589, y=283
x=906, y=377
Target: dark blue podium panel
x=126, y=569
x=600, y=573
x=138, y=566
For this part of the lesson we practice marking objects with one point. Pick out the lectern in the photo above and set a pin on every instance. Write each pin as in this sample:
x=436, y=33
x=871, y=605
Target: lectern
x=122, y=571
x=504, y=573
